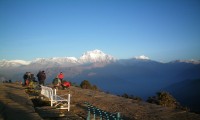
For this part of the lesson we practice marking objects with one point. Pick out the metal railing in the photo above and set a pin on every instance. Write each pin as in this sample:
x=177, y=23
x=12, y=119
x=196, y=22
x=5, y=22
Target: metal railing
x=95, y=113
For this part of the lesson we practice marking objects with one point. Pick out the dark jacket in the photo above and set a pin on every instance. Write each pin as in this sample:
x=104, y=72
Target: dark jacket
x=41, y=76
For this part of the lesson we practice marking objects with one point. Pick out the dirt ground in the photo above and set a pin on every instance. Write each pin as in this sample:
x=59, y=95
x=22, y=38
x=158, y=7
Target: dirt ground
x=129, y=109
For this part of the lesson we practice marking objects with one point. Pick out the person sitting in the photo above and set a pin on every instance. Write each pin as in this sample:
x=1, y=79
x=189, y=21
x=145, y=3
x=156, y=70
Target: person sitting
x=56, y=83
x=65, y=84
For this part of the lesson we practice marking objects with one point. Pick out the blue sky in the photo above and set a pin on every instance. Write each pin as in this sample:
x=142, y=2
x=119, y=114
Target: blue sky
x=163, y=30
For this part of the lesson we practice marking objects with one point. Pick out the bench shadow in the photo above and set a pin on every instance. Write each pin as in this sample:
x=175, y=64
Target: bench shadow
x=12, y=111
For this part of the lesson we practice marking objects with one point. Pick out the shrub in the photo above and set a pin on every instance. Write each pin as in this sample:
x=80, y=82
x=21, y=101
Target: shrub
x=94, y=87
x=131, y=97
x=85, y=84
x=164, y=99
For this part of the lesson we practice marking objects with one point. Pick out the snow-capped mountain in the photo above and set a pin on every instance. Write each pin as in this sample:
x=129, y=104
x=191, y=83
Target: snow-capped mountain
x=13, y=63
x=59, y=60
x=56, y=61
x=142, y=57
x=95, y=56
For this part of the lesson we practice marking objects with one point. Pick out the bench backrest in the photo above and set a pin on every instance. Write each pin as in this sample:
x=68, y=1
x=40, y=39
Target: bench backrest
x=47, y=92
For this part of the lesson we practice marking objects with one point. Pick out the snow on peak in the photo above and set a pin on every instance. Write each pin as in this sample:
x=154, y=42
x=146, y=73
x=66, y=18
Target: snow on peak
x=95, y=56
x=13, y=63
x=22, y=62
x=55, y=60
x=142, y=57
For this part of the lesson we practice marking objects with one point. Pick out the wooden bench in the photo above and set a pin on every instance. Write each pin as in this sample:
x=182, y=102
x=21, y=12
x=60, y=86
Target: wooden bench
x=56, y=99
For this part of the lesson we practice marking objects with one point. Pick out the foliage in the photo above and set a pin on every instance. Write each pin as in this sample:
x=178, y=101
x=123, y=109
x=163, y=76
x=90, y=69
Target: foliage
x=32, y=92
x=164, y=99
x=86, y=85
x=131, y=97
x=94, y=87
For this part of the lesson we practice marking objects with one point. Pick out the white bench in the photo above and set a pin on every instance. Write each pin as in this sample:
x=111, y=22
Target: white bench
x=56, y=99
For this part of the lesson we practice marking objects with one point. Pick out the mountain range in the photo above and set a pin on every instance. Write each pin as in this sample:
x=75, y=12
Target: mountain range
x=95, y=56
x=88, y=57
x=138, y=76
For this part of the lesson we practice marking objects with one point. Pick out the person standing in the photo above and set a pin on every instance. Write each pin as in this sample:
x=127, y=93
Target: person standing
x=38, y=75
x=41, y=77
x=25, y=77
x=61, y=76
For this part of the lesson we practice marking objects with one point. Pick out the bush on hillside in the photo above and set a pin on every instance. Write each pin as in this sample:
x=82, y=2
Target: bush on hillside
x=94, y=87
x=85, y=84
x=131, y=97
x=164, y=99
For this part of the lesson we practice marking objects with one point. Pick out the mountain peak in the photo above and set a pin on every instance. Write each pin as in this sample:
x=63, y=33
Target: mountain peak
x=142, y=57
x=94, y=52
x=96, y=56
x=13, y=63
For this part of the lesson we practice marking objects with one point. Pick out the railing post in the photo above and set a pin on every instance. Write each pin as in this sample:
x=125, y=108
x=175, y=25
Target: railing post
x=94, y=113
x=118, y=116
x=100, y=116
x=50, y=95
x=88, y=117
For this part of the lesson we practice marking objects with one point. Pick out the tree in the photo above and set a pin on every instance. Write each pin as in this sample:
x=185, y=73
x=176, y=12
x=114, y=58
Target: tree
x=85, y=84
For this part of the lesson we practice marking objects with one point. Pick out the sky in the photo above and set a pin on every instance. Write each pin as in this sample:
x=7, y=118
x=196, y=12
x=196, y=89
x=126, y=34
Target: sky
x=162, y=30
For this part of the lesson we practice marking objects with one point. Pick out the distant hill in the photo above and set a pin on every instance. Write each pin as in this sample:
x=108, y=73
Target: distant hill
x=187, y=92
x=138, y=77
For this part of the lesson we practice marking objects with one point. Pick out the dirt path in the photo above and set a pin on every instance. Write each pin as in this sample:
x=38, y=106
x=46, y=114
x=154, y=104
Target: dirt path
x=15, y=104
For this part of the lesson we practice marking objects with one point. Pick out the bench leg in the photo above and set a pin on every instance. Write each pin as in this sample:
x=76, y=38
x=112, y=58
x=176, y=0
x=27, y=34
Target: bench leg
x=68, y=102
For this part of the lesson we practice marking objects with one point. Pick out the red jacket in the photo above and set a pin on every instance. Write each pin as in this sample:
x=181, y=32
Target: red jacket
x=60, y=76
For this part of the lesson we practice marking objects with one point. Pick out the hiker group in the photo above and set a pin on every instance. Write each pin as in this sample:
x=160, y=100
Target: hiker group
x=30, y=78
x=57, y=82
